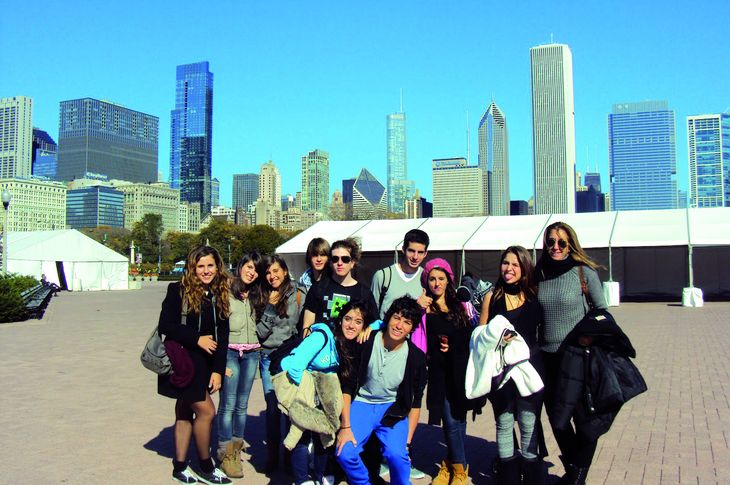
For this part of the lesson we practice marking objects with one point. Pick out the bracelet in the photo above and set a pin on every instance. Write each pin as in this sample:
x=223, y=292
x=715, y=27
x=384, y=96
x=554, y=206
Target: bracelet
x=345, y=427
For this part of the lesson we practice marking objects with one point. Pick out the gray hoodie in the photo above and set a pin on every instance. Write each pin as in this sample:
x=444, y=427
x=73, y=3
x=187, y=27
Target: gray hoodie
x=272, y=329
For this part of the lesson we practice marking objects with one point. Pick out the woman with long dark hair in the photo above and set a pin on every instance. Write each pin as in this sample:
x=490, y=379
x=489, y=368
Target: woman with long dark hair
x=448, y=329
x=243, y=355
x=562, y=271
x=277, y=323
x=195, y=315
x=515, y=298
x=317, y=256
x=323, y=350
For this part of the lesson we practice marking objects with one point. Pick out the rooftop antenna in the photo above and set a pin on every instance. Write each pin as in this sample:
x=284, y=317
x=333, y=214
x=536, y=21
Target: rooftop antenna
x=401, y=100
x=551, y=38
x=467, y=137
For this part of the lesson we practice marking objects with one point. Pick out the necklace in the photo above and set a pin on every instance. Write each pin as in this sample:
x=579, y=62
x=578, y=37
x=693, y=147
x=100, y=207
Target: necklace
x=513, y=301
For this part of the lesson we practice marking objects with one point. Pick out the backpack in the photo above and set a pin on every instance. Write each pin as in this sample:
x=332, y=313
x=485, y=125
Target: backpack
x=286, y=348
x=384, y=288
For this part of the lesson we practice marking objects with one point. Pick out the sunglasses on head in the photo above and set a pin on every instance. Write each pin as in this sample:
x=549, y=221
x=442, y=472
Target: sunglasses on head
x=562, y=243
x=345, y=259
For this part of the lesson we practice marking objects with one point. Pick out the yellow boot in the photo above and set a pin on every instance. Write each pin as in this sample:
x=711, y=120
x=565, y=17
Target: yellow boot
x=461, y=474
x=231, y=463
x=444, y=475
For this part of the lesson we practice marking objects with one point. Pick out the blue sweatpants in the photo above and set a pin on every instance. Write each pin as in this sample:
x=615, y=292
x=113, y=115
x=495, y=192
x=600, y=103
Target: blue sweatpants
x=365, y=420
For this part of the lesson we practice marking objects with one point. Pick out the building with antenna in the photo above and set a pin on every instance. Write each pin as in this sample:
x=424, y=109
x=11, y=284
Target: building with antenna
x=399, y=187
x=553, y=128
x=494, y=161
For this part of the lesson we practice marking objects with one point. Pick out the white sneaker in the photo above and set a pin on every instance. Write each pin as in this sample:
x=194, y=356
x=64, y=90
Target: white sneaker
x=328, y=480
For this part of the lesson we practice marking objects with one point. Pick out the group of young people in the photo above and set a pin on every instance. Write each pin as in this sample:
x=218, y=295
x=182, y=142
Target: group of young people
x=383, y=343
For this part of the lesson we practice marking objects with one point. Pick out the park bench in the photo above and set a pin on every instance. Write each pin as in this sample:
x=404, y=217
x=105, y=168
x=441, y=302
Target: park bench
x=36, y=299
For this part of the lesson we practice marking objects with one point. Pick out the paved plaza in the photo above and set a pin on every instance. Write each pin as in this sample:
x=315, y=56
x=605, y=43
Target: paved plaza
x=77, y=406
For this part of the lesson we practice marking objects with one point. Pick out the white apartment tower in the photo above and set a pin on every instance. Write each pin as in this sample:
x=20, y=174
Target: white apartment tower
x=553, y=128
x=494, y=160
x=270, y=184
x=16, y=137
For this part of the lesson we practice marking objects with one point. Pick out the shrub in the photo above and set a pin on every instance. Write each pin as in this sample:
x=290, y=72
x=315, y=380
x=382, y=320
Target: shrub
x=12, y=307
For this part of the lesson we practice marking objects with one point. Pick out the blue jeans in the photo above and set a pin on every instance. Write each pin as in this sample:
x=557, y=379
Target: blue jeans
x=300, y=459
x=455, y=435
x=235, y=392
x=273, y=414
x=365, y=420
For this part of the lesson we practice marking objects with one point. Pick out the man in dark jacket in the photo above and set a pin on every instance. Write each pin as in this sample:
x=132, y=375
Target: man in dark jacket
x=383, y=396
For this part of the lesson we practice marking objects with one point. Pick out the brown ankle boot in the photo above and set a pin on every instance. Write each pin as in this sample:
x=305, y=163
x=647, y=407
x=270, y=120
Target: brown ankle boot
x=231, y=463
x=461, y=474
x=443, y=477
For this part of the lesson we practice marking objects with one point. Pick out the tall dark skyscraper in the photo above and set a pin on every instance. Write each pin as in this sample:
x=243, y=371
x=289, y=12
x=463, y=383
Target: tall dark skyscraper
x=191, y=135
x=45, y=155
x=245, y=190
x=103, y=138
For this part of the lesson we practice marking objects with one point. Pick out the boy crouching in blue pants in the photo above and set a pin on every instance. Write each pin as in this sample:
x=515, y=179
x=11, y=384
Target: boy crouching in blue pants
x=383, y=387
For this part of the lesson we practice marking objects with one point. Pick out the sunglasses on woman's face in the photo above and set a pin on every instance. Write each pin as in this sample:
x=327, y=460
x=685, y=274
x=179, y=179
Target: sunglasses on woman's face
x=562, y=243
x=345, y=259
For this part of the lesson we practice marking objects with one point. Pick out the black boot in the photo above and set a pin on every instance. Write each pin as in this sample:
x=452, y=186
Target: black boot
x=508, y=471
x=574, y=475
x=533, y=472
x=272, y=457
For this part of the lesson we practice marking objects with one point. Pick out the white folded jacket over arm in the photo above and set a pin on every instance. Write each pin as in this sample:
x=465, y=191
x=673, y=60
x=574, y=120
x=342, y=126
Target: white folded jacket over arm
x=490, y=361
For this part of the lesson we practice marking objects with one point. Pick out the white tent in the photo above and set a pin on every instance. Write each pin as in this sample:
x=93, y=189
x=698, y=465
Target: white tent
x=67, y=256
x=653, y=254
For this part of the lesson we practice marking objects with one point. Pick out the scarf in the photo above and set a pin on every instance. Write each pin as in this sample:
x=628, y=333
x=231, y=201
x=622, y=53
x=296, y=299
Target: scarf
x=549, y=268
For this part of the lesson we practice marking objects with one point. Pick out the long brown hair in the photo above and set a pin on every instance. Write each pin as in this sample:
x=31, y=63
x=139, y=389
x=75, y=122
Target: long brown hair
x=193, y=289
x=344, y=350
x=285, y=289
x=255, y=292
x=576, y=251
x=527, y=280
x=456, y=312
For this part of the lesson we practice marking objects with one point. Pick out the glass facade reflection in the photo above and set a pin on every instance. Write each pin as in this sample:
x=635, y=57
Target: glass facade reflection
x=708, y=141
x=94, y=207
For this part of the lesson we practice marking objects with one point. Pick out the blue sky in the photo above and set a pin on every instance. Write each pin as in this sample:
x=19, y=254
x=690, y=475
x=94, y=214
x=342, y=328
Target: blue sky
x=292, y=76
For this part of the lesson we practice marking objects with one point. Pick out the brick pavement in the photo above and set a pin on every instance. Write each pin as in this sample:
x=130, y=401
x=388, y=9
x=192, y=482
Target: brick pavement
x=77, y=407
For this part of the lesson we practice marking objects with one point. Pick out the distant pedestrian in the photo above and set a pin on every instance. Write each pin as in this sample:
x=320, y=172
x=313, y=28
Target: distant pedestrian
x=243, y=356
x=195, y=314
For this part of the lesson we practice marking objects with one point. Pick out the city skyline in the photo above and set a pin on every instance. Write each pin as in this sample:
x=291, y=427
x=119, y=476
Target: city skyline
x=441, y=78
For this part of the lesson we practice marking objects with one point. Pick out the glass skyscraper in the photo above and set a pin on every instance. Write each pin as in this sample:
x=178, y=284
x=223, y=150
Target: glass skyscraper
x=45, y=155
x=102, y=138
x=494, y=160
x=94, y=206
x=553, y=128
x=642, y=156
x=245, y=190
x=191, y=135
x=399, y=187
x=369, y=197
x=708, y=140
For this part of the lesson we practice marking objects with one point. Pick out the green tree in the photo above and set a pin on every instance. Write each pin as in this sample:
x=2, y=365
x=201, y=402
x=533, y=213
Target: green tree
x=147, y=236
x=115, y=238
x=177, y=245
x=263, y=239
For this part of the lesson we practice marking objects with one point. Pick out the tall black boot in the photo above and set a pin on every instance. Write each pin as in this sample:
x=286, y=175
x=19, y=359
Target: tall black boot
x=574, y=475
x=533, y=472
x=508, y=471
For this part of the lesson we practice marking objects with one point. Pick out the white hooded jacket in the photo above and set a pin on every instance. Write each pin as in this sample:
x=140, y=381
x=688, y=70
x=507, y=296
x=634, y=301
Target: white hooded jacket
x=491, y=364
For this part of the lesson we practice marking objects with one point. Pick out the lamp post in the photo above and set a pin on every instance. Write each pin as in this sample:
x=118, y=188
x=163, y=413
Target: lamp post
x=6, y=203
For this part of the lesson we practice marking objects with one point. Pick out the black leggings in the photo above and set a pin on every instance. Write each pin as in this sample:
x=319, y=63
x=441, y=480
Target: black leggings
x=576, y=449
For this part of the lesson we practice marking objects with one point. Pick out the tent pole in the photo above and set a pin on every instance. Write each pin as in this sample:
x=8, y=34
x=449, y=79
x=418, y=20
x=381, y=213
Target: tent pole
x=689, y=251
x=610, y=249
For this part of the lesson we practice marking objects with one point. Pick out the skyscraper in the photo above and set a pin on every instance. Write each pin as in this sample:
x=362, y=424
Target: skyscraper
x=245, y=190
x=100, y=137
x=45, y=155
x=94, y=207
x=553, y=128
x=215, y=192
x=642, y=156
x=369, y=197
x=191, y=135
x=16, y=137
x=399, y=187
x=458, y=188
x=494, y=160
x=315, y=181
x=708, y=140
x=270, y=185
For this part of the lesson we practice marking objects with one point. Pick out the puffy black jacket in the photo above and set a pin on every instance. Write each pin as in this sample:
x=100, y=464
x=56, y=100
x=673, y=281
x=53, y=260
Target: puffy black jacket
x=596, y=379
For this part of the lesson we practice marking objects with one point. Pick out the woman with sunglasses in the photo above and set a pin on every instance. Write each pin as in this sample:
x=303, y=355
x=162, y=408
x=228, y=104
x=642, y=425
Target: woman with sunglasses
x=562, y=266
x=325, y=300
x=277, y=323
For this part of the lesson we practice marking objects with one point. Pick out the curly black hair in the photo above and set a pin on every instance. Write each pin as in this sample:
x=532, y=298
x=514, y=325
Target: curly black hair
x=408, y=308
